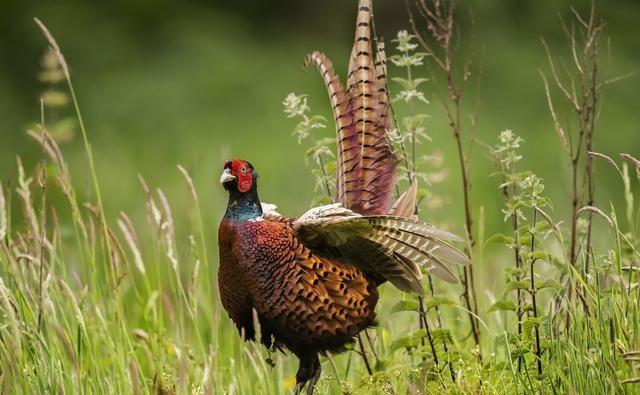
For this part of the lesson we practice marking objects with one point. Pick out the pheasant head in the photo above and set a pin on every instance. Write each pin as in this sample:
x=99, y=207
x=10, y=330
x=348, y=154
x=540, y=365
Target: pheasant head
x=240, y=180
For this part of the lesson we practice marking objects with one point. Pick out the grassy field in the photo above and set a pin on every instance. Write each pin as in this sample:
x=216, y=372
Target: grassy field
x=108, y=226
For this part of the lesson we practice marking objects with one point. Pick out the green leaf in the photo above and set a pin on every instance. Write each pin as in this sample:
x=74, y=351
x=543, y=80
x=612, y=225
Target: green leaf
x=317, y=119
x=403, y=82
x=381, y=365
x=517, y=284
x=499, y=174
x=409, y=342
x=442, y=335
x=330, y=167
x=549, y=283
x=438, y=301
x=327, y=141
x=526, y=307
x=524, y=240
x=539, y=254
x=422, y=193
x=418, y=81
x=541, y=226
x=499, y=238
x=503, y=305
x=530, y=323
x=517, y=353
x=405, y=305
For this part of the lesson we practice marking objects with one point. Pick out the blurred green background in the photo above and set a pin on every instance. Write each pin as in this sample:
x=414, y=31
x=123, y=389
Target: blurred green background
x=162, y=83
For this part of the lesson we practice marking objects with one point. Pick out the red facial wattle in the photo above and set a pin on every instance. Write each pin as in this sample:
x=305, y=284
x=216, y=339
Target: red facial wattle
x=242, y=171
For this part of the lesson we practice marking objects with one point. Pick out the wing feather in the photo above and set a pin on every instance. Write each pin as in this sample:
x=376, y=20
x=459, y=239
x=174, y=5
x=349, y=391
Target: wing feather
x=393, y=248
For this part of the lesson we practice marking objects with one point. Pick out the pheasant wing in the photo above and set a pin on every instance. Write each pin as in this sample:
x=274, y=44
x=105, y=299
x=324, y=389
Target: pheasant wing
x=390, y=247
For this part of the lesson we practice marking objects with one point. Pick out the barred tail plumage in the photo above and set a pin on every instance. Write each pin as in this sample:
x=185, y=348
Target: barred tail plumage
x=366, y=164
x=342, y=114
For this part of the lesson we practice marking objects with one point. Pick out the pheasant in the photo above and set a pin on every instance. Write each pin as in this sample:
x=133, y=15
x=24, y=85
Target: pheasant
x=312, y=280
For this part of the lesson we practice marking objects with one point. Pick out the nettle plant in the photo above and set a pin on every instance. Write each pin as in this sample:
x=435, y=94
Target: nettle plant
x=321, y=152
x=525, y=208
x=411, y=129
x=407, y=136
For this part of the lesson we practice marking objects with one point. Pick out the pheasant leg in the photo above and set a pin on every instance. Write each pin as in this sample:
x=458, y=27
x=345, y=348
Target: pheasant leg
x=308, y=372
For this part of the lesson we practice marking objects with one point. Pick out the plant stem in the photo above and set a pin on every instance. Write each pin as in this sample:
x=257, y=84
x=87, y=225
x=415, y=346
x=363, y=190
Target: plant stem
x=422, y=314
x=583, y=98
x=85, y=139
x=423, y=317
x=411, y=175
x=364, y=355
x=517, y=257
x=533, y=296
x=444, y=344
x=440, y=24
x=43, y=216
x=373, y=349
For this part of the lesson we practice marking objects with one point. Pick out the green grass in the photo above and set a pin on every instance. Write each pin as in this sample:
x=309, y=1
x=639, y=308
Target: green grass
x=112, y=304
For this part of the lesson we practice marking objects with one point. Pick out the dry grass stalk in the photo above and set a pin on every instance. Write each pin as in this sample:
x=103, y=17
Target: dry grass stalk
x=196, y=201
x=154, y=215
x=189, y=180
x=43, y=217
x=634, y=161
x=581, y=88
x=125, y=225
x=75, y=306
x=11, y=320
x=595, y=210
x=439, y=22
x=67, y=346
x=54, y=47
x=168, y=228
x=24, y=192
x=134, y=373
x=63, y=176
x=87, y=147
x=3, y=215
x=608, y=159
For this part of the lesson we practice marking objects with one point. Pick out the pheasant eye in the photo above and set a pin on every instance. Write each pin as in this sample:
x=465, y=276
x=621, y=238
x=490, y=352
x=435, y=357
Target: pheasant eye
x=243, y=169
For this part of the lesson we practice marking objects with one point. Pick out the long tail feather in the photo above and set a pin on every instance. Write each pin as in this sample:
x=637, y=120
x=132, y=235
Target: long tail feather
x=342, y=114
x=370, y=151
x=405, y=206
x=366, y=164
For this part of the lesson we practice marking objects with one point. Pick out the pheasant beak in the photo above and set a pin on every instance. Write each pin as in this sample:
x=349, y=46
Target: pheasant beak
x=226, y=177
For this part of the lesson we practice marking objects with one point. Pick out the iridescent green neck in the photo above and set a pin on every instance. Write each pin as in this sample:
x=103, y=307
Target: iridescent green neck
x=243, y=206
